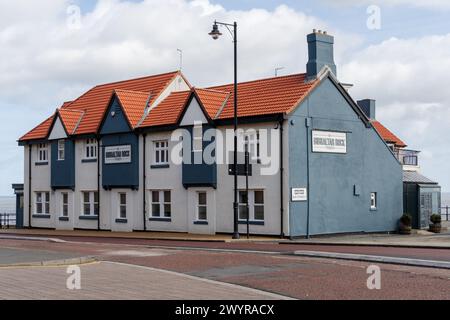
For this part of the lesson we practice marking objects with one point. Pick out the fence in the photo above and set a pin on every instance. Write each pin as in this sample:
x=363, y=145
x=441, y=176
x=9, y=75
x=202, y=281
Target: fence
x=7, y=220
x=445, y=213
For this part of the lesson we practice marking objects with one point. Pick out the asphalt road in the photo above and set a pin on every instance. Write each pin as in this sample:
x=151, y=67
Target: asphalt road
x=267, y=266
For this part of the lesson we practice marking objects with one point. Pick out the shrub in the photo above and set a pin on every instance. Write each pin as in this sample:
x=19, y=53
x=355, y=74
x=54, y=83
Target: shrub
x=406, y=219
x=435, y=218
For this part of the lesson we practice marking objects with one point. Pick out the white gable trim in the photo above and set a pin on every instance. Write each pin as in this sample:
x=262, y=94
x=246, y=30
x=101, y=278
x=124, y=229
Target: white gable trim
x=193, y=114
x=58, y=131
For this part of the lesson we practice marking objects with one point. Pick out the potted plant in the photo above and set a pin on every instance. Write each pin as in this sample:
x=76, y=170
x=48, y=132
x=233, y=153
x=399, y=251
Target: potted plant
x=435, y=226
x=405, y=224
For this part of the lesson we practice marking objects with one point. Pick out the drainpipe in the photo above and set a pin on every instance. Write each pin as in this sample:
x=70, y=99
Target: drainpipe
x=99, y=152
x=144, y=204
x=307, y=125
x=29, y=186
x=281, y=181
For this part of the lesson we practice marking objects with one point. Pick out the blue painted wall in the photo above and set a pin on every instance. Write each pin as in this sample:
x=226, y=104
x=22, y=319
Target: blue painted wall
x=117, y=123
x=115, y=131
x=369, y=165
x=198, y=174
x=63, y=171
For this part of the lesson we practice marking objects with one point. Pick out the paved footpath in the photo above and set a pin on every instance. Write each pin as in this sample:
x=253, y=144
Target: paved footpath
x=108, y=280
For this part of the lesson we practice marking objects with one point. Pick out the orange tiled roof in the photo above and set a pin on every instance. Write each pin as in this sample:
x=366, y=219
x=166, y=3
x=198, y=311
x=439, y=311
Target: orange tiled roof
x=134, y=103
x=387, y=135
x=168, y=111
x=212, y=100
x=95, y=101
x=70, y=118
x=267, y=96
x=40, y=131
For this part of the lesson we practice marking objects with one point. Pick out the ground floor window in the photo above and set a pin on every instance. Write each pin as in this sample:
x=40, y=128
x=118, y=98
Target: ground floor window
x=42, y=202
x=90, y=203
x=373, y=201
x=122, y=205
x=161, y=204
x=202, y=206
x=65, y=204
x=255, y=205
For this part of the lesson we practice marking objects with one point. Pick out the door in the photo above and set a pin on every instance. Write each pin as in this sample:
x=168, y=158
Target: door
x=426, y=209
x=19, y=211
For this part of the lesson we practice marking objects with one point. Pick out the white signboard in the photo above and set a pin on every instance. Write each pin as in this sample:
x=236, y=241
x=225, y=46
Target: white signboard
x=118, y=154
x=328, y=141
x=299, y=194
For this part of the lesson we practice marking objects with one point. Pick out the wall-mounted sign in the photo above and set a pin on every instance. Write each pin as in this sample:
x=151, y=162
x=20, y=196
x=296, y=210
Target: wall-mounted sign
x=118, y=154
x=299, y=194
x=328, y=141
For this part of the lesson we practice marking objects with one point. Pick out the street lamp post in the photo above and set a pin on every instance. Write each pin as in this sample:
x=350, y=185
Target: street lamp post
x=215, y=34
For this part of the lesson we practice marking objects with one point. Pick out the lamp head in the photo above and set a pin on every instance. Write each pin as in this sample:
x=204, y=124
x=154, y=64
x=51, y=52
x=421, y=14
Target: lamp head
x=215, y=33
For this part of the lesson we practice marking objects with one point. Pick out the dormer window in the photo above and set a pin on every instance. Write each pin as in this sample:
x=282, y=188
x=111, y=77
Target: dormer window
x=61, y=150
x=197, y=137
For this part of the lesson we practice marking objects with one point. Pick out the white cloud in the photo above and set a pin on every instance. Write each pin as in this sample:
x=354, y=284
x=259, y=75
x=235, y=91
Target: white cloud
x=430, y=4
x=408, y=77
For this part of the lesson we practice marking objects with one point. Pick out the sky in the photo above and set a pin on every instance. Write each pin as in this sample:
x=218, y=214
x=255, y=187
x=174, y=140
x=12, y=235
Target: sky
x=394, y=51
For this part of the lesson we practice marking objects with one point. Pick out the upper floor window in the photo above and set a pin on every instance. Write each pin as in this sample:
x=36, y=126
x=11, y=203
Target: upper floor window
x=61, y=150
x=42, y=202
x=161, y=155
x=42, y=152
x=197, y=137
x=90, y=149
x=253, y=146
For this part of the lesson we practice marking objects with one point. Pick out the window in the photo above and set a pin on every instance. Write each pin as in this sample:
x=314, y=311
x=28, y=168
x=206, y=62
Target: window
x=252, y=140
x=202, y=207
x=373, y=201
x=255, y=205
x=197, y=137
x=42, y=202
x=161, y=204
x=42, y=152
x=65, y=204
x=122, y=205
x=91, y=149
x=61, y=148
x=161, y=152
x=90, y=203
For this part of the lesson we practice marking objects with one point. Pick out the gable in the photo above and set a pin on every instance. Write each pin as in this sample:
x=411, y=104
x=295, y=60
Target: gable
x=115, y=120
x=57, y=131
x=193, y=114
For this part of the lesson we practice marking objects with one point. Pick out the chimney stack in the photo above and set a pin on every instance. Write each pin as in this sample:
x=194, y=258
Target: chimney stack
x=320, y=53
x=368, y=107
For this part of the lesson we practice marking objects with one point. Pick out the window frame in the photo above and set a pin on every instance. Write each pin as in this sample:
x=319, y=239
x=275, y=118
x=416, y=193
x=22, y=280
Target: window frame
x=64, y=204
x=373, y=201
x=161, y=203
x=44, y=203
x=199, y=205
x=197, y=137
x=90, y=149
x=122, y=205
x=42, y=152
x=93, y=205
x=61, y=150
x=160, y=147
x=252, y=204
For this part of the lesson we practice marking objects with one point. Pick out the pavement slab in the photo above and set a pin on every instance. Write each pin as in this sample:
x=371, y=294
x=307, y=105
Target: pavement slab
x=109, y=280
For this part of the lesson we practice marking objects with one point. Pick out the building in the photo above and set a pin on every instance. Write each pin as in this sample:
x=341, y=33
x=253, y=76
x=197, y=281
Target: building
x=421, y=195
x=105, y=161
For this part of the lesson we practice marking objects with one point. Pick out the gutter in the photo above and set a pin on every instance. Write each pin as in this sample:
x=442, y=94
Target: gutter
x=144, y=204
x=29, y=186
x=99, y=152
x=281, y=181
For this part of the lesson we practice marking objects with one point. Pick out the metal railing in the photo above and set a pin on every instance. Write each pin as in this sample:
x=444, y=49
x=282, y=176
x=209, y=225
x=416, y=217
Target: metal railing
x=445, y=213
x=7, y=220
